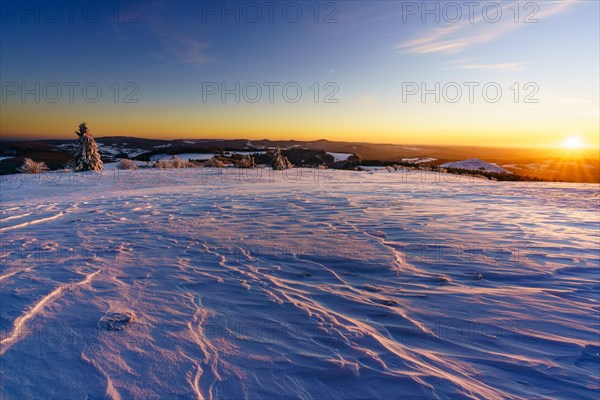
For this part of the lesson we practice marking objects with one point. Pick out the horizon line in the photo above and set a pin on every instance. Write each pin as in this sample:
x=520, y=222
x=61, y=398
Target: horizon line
x=585, y=147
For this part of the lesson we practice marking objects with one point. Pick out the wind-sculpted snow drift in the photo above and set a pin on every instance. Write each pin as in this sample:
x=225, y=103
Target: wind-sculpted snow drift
x=297, y=284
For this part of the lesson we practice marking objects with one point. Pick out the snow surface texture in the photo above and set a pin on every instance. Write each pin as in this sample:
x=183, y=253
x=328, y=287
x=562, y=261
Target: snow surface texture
x=312, y=284
x=475, y=164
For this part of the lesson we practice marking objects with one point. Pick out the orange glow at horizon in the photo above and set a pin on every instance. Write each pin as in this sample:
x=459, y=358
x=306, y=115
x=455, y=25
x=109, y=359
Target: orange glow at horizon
x=286, y=122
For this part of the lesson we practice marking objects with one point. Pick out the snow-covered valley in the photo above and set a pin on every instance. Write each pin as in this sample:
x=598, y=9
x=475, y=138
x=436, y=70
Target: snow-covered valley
x=310, y=284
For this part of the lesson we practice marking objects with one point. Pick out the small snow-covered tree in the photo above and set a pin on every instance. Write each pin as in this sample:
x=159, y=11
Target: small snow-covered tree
x=87, y=157
x=279, y=161
x=246, y=162
x=32, y=167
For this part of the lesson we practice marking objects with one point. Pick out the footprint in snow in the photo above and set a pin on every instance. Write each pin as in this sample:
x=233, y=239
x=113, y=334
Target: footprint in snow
x=116, y=321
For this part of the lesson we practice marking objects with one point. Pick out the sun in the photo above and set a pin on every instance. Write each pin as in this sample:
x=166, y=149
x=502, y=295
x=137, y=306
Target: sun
x=572, y=142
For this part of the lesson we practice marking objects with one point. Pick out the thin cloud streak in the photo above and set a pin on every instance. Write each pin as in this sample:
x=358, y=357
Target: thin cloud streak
x=178, y=49
x=457, y=37
x=499, y=67
x=178, y=44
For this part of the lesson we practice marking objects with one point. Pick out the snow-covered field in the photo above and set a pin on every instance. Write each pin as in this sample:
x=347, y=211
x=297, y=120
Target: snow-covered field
x=307, y=284
x=184, y=157
x=199, y=156
x=339, y=156
x=475, y=164
x=419, y=160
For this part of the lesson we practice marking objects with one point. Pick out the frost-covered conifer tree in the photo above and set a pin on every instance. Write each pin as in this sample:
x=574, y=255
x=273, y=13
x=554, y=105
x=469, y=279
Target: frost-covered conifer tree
x=86, y=156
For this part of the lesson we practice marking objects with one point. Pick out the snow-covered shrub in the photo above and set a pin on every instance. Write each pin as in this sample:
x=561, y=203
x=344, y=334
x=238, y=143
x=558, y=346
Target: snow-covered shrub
x=196, y=164
x=162, y=164
x=246, y=162
x=32, y=167
x=173, y=163
x=127, y=164
x=86, y=156
x=179, y=163
x=214, y=163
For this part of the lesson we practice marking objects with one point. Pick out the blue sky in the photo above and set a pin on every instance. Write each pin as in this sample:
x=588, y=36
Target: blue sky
x=369, y=48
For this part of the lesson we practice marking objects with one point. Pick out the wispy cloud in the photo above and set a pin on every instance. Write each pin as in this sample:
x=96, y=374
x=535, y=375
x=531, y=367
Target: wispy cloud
x=456, y=37
x=178, y=44
x=181, y=50
x=498, y=67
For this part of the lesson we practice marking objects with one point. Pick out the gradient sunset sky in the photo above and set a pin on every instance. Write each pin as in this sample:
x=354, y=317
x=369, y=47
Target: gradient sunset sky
x=368, y=49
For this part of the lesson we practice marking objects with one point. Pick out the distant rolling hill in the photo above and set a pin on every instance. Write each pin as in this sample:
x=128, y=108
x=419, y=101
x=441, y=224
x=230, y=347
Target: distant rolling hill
x=583, y=166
